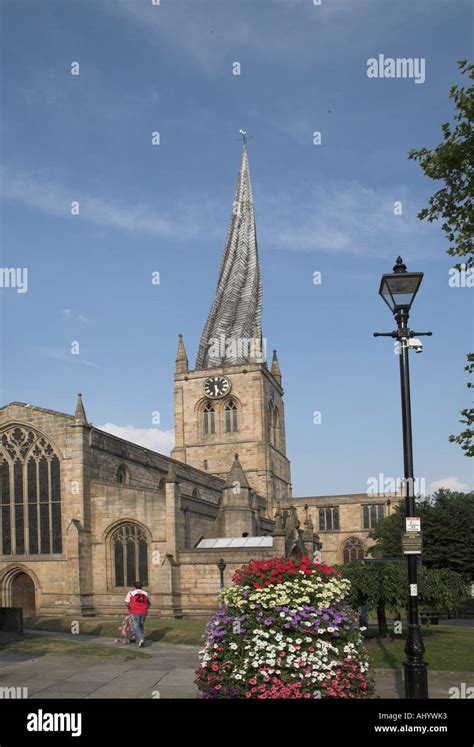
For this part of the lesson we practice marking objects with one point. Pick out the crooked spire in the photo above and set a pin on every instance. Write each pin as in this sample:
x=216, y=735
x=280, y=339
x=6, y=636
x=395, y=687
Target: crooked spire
x=236, y=314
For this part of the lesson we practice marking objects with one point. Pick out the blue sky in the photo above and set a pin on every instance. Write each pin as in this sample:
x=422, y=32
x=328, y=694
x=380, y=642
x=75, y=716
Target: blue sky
x=325, y=208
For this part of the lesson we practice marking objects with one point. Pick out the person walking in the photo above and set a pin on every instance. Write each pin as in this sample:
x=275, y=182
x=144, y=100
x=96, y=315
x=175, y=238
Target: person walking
x=138, y=602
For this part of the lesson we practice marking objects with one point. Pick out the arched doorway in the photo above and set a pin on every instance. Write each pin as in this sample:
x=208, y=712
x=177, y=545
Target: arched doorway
x=23, y=594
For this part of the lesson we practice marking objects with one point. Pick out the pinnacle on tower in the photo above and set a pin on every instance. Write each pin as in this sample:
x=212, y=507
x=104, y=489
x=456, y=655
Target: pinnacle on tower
x=257, y=348
x=237, y=309
x=80, y=415
x=181, y=357
x=276, y=367
x=237, y=475
x=171, y=477
x=278, y=529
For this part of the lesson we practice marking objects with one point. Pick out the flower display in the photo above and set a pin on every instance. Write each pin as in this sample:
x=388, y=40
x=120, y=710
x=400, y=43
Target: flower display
x=284, y=630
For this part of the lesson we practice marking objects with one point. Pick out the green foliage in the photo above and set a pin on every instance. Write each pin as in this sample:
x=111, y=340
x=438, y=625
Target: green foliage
x=440, y=587
x=465, y=438
x=385, y=584
x=453, y=162
x=373, y=584
x=387, y=535
x=447, y=522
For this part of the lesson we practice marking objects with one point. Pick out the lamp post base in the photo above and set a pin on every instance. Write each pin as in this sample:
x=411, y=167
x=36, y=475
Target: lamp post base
x=416, y=680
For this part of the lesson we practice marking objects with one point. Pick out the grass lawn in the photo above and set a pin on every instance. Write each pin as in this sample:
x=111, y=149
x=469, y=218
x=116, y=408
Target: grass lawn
x=39, y=644
x=448, y=649
x=166, y=630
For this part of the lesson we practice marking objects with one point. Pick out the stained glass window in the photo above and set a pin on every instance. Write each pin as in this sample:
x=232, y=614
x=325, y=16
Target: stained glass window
x=30, y=494
x=130, y=550
x=353, y=550
x=6, y=508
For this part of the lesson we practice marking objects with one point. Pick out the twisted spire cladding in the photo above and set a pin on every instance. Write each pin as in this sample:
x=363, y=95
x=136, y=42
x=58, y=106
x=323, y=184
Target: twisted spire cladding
x=235, y=318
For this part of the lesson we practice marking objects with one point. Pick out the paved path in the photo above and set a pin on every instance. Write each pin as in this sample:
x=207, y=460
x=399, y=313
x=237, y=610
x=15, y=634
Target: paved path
x=168, y=673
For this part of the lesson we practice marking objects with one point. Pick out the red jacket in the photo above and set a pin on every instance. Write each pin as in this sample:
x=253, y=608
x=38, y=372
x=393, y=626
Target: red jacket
x=138, y=602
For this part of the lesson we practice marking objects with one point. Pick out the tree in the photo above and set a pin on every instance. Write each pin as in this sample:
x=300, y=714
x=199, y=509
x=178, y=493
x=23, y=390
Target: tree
x=447, y=521
x=453, y=162
x=465, y=438
x=383, y=585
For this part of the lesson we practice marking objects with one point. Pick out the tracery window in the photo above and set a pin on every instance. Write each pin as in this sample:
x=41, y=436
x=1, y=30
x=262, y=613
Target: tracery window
x=209, y=419
x=353, y=550
x=30, y=494
x=130, y=553
x=231, y=417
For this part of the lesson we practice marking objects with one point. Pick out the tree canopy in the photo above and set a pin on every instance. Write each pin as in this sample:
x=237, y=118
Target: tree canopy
x=447, y=522
x=383, y=585
x=452, y=162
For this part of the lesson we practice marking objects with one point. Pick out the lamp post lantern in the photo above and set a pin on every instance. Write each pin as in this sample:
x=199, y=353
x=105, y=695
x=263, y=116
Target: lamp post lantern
x=221, y=564
x=398, y=290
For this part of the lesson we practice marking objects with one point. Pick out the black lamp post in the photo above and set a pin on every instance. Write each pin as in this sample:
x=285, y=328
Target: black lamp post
x=221, y=564
x=398, y=291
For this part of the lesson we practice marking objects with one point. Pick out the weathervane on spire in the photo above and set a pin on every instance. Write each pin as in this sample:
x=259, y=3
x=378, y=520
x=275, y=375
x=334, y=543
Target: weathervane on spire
x=243, y=135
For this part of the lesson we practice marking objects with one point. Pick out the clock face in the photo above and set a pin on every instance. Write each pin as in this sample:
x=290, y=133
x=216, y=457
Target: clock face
x=216, y=387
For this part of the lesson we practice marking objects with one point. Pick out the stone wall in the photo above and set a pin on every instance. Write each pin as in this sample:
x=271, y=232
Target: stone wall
x=265, y=465
x=350, y=520
x=200, y=576
x=57, y=577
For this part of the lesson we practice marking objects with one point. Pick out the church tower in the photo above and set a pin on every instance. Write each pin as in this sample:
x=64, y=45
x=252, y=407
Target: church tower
x=232, y=402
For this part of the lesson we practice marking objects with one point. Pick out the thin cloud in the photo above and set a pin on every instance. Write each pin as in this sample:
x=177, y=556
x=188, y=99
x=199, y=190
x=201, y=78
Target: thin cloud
x=448, y=483
x=343, y=218
x=150, y=438
x=60, y=355
x=337, y=218
x=214, y=37
x=56, y=200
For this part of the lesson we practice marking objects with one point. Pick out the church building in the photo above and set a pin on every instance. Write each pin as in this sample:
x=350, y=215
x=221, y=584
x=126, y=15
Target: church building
x=83, y=513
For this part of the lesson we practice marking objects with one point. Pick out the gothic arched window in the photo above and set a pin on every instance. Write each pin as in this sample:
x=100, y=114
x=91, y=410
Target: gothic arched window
x=209, y=419
x=121, y=475
x=130, y=554
x=30, y=494
x=231, y=417
x=353, y=550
